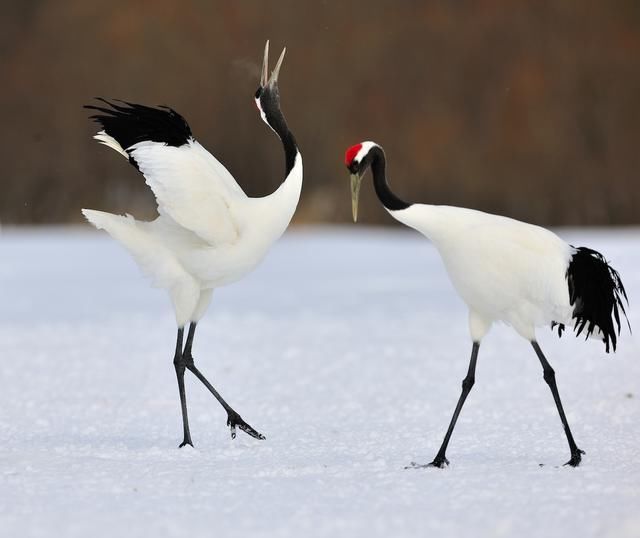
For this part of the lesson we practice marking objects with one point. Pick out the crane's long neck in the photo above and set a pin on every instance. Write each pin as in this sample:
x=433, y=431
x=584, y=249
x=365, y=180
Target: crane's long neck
x=429, y=220
x=385, y=195
x=289, y=145
x=280, y=205
x=292, y=183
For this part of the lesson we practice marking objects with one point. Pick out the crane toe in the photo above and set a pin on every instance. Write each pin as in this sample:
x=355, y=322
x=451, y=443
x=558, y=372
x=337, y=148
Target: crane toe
x=438, y=462
x=235, y=420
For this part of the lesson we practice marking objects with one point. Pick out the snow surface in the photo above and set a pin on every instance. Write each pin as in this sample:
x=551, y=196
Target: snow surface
x=346, y=348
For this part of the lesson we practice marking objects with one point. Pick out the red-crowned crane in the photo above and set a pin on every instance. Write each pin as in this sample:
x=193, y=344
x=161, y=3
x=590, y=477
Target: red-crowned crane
x=505, y=270
x=208, y=233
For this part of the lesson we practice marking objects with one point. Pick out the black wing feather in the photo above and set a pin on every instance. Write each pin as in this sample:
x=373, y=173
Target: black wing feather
x=130, y=123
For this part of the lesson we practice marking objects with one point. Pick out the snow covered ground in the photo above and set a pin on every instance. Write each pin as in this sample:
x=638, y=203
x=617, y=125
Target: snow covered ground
x=346, y=348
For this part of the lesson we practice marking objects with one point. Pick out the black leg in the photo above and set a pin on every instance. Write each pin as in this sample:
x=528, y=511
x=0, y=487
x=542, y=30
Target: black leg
x=179, y=365
x=441, y=459
x=550, y=377
x=233, y=419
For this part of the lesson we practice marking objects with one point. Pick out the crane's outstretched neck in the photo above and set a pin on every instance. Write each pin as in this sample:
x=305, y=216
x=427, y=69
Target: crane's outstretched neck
x=268, y=102
x=378, y=169
x=426, y=219
x=282, y=203
x=289, y=145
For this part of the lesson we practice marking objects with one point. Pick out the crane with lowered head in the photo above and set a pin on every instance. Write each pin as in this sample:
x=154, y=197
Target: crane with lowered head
x=505, y=270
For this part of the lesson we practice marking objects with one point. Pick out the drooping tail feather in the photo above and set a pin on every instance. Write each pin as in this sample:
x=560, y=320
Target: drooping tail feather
x=596, y=293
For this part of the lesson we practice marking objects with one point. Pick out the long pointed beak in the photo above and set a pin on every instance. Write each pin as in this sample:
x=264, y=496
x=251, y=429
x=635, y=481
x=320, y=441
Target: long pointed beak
x=276, y=71
x=265, y=66
x=265, y=79
x=356, y=180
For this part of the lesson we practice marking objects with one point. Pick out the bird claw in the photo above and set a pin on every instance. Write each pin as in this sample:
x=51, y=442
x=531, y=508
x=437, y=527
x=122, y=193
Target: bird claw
x=185, y=443
x=234, y=420
x=414, y=465
x=576, y=458
x=440, y=463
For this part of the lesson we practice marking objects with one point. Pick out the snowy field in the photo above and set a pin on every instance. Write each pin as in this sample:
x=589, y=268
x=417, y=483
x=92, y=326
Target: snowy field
x=346, y=348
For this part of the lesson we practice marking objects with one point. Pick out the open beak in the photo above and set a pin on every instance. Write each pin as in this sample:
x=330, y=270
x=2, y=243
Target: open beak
x=265, y=80
x=356, y=180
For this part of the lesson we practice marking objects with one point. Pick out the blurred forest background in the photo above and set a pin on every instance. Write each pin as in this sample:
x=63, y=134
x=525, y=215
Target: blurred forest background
x=526, y=108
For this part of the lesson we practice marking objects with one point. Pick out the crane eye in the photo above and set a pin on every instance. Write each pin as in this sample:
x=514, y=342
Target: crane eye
x=259, y=92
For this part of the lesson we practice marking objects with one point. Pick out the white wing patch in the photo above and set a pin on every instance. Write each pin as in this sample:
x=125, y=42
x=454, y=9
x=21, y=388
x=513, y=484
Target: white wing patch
x=192, y=188
x=110, y=142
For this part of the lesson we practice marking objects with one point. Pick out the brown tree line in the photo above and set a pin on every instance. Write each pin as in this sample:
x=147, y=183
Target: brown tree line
x=526, y=108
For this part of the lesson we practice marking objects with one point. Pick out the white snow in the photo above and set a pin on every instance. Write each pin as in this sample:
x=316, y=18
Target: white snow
x=346, y=348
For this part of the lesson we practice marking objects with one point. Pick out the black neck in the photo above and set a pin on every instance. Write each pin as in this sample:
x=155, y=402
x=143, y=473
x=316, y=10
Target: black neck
x=378, y=166
x=279, y=125
x=290, y=150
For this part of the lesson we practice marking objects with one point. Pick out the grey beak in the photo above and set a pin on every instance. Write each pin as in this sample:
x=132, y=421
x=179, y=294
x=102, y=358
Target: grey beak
x=356, y=181
x=265, y=80
x=274, y=74
x=265, y=66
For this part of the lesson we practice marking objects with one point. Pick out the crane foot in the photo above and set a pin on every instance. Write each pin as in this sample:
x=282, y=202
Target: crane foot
x=234, y=420
x=576, y=457
x=440, y=463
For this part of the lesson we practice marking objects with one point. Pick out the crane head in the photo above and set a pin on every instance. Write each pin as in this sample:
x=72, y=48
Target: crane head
x=268, y=96
x=357, y=159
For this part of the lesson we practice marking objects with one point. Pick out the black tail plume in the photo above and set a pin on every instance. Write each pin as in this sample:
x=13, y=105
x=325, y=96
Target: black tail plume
x=596, y=293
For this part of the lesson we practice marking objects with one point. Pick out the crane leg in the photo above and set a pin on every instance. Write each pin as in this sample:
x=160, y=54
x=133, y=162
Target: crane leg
x=233, y=418
x=179, y=364
x=441, y=459
x=550, y=377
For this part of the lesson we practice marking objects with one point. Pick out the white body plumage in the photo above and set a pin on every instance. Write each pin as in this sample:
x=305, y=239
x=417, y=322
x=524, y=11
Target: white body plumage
x=209, y=233
x=505, y=270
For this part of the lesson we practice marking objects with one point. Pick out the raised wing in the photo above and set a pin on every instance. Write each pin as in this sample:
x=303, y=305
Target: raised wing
x=190, y=185
x=188, y=189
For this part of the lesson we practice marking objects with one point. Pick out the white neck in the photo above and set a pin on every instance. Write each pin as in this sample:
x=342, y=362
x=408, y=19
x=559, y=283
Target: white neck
x=432, y=221
x=274, y=211
x=287, y=195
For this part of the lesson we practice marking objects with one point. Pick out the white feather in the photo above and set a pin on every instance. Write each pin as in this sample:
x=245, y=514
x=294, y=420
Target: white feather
x=110, y=142
x=190, y=190
x=504, y=269
x=366, y=148
x=208, y=234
